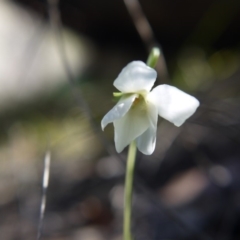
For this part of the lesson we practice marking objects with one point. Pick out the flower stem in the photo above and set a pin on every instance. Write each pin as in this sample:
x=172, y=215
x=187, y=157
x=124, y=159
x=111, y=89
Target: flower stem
x=128, y=191
x=151, y=62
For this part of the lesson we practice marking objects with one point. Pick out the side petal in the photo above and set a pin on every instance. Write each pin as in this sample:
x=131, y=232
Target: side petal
x=136, y=76
x=119, y=110
x=129, y=127
x=173, y=104
x=147, y=141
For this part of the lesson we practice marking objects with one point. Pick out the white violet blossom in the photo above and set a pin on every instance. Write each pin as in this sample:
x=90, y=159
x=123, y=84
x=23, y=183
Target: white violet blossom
x=135, y=116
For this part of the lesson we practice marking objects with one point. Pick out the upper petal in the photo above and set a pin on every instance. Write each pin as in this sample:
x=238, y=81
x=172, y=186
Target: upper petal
x=119, y=110
x=129, y=127
x=147, y=141
x=136, y=76
x=173, y=104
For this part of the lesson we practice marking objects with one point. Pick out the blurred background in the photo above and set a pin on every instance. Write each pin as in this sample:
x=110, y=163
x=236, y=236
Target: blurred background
x=58, y=60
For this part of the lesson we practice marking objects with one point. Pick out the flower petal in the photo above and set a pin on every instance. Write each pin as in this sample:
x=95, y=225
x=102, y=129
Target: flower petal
x=119, y=110
x=136, y=76
x=129, y=127
x=173, y=104
x=147, y=141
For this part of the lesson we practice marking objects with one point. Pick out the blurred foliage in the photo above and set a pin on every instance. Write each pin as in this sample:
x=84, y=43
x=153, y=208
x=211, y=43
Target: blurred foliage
x=198, y=71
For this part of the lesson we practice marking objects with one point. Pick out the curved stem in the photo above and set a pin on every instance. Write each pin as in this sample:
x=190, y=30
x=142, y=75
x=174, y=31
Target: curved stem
x=128, y=191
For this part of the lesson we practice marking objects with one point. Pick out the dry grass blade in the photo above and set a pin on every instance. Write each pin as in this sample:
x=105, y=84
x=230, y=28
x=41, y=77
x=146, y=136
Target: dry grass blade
x=146, y=33
x=45, y=181
x=141, y=23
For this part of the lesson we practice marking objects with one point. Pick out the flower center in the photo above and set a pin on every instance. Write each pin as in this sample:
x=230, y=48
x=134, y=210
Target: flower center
x=136, y=101
x=139, y=104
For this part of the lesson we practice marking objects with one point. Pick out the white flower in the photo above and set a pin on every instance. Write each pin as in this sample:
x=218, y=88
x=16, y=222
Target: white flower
x=135, y=115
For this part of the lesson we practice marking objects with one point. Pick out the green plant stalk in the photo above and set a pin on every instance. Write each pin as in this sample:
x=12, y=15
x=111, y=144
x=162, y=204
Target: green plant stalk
x=128, y=191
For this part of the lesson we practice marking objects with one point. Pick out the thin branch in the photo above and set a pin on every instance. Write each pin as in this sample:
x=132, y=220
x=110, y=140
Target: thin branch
x=146, y=33
x=141, y=23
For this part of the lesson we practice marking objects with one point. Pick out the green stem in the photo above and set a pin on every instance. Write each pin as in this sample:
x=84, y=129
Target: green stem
x=151, y=62
x=128, y=191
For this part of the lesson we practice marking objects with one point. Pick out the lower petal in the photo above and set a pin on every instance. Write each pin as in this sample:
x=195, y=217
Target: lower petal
x=147, y=141
x=131, y=126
